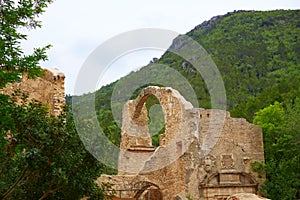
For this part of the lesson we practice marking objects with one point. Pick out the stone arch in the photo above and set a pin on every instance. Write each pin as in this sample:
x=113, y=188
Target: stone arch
x=210, y=179
x=247, y=178
x=148, y=190
x=135, y=118
x=227, y=183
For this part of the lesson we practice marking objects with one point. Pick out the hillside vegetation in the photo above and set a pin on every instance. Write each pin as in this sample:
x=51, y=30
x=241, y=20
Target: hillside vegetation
x=258, y=56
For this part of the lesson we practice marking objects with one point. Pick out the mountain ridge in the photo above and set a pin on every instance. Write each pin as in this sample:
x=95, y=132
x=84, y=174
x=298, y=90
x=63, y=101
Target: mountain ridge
x=256, y=52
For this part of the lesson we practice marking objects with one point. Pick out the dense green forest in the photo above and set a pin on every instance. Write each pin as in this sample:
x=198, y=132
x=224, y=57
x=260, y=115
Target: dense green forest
x=258, y=56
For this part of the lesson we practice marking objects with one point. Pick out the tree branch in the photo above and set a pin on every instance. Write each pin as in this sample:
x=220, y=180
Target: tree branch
x=13, y=187
x=45, y=195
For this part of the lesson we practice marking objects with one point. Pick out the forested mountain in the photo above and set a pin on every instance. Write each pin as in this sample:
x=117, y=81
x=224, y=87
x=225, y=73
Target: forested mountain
x=258, y=56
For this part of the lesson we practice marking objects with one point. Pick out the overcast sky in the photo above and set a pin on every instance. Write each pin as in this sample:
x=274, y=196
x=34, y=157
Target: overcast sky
x=75, y=28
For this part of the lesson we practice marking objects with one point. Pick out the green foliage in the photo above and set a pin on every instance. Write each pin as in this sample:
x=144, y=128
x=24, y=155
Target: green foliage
x=270, y=119
x=281, y=141
x=13, y=17
x=42, y=156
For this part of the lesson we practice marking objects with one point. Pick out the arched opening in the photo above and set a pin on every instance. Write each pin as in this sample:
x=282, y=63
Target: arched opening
x=227, y=184
x=148, y=191
x=156, y=119
x=135, y=126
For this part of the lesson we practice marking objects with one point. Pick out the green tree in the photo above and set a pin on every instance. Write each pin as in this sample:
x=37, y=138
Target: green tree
x=281, y=147
x=13, y=17
x=271, y=120
x=41, y=156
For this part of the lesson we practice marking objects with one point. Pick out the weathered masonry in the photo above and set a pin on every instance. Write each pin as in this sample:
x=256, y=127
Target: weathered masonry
x=203, y=154
x=48, y=89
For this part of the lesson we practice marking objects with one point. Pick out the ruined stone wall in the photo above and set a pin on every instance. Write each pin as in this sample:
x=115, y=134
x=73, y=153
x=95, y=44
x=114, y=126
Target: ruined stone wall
x=48, y=89
x=203, y=154
x=227, y=167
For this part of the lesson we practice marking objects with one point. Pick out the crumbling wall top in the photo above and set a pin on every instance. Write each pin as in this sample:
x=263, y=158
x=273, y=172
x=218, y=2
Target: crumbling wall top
x=48, y=89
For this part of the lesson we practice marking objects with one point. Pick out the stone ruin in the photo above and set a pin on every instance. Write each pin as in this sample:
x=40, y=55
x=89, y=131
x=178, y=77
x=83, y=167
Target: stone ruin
x=203, y=153
x=48, y=89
